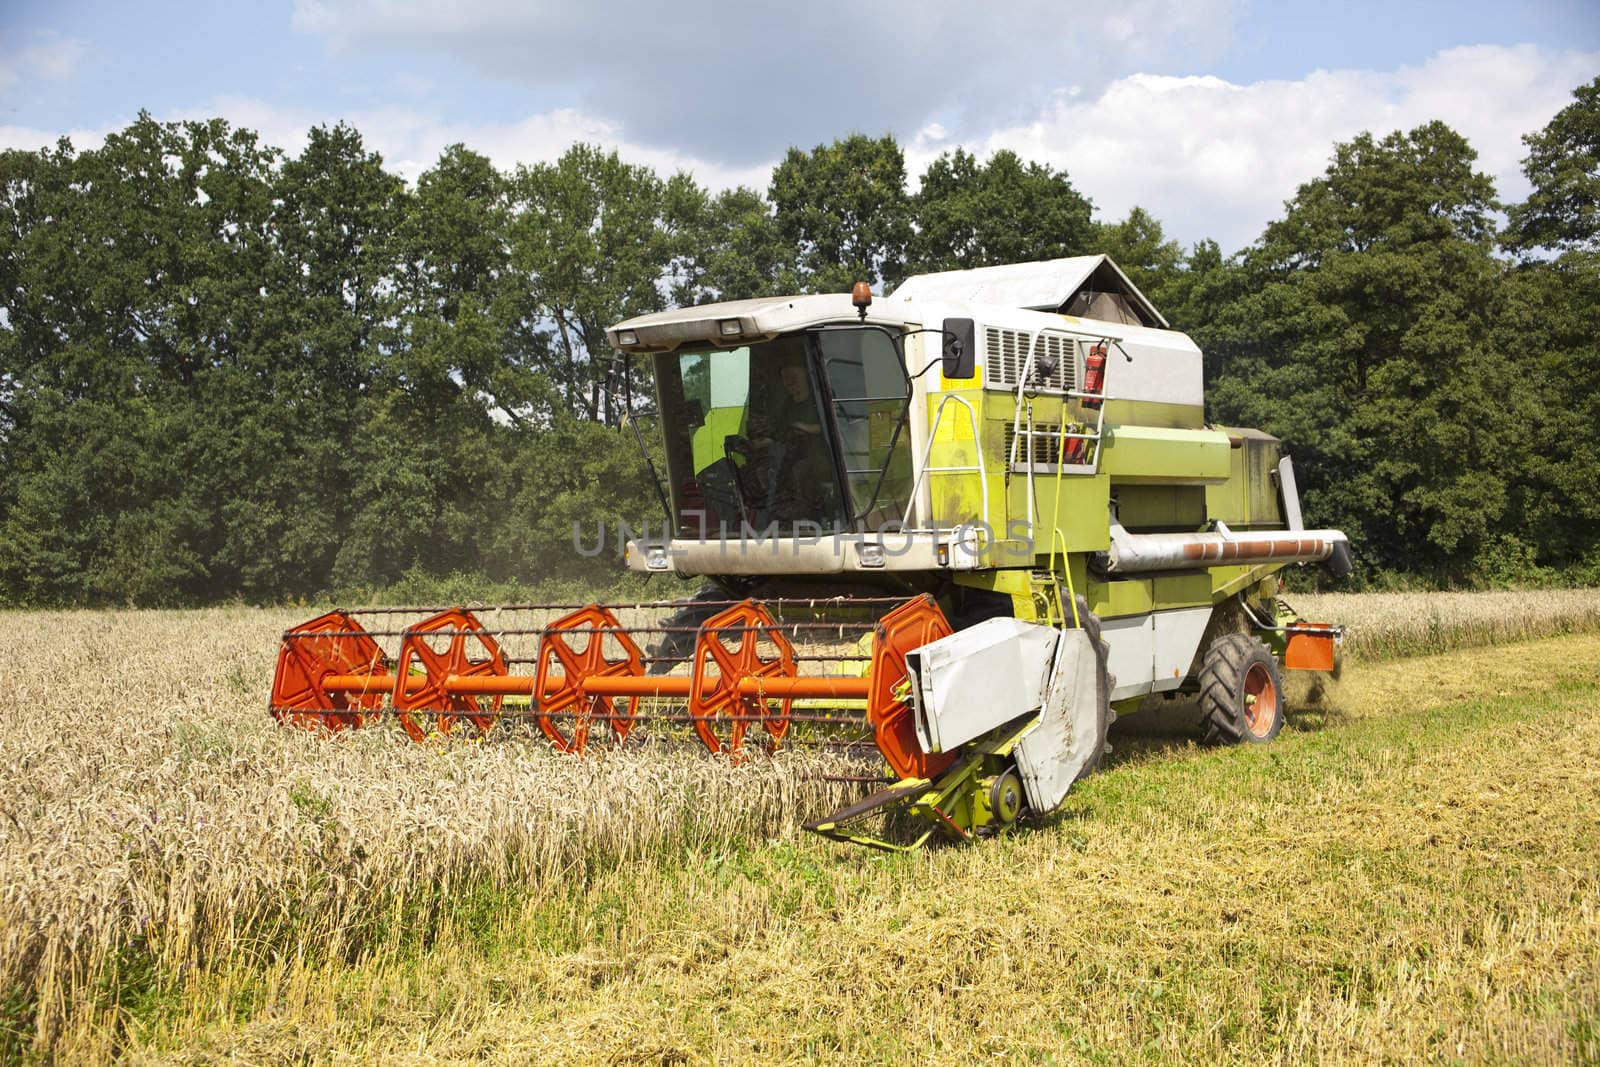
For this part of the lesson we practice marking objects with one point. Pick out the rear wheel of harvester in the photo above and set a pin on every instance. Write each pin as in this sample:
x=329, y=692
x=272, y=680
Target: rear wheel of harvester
x=1241, y=692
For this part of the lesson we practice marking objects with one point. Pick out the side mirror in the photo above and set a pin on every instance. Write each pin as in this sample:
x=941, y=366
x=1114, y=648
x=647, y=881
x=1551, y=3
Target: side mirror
x=960, y=349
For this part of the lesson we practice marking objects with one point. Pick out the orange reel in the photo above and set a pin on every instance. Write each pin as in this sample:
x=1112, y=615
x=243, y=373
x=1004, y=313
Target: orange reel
x=450, y=643
x=905, y=629
x=591, y=628
x=327, y=645
x=728, y=649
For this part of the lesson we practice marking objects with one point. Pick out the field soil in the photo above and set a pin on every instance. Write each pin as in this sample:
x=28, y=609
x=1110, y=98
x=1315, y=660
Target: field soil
x=1407, y=873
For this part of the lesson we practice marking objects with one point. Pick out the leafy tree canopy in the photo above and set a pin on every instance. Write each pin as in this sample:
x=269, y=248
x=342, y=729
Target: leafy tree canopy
x=1563, y=163
x=972, y=214
x=225, y=372
x=844, y=210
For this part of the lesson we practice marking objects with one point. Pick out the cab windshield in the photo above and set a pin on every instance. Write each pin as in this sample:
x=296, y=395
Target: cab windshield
x=801, y=432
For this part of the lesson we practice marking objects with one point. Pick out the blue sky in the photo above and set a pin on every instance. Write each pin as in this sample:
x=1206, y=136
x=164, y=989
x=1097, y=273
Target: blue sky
x=1207, y=112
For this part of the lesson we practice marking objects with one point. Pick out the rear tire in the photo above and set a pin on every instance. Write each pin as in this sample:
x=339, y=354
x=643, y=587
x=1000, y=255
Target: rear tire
x=1241, y=692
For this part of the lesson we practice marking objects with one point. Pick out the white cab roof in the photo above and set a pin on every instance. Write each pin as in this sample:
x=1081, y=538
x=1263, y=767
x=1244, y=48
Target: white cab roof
x=1046, y=285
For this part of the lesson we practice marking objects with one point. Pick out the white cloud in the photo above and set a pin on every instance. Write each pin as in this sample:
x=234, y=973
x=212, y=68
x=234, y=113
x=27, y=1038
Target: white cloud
x=742, y=82
x=1210, y=158
x=56, y=58
x=46, y=56
x=410, y=141
x=29, y=138
x=1207, y=157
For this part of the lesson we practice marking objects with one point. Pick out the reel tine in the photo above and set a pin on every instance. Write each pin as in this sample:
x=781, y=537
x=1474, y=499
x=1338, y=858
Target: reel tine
x=710, y=673
x=720, y=713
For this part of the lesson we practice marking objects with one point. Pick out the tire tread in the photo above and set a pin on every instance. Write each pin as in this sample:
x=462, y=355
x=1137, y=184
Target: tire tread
x=1222, y=684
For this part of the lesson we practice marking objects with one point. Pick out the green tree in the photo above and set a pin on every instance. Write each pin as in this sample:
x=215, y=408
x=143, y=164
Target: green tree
x=140, y=334
x=972, y=214
x=1146, y=255
x=334, y=219
x=1563, y=164
x=732, y=249
x=844, y=209
x=1362, y=338
x=426, y=467
x=593, y=243
x=222, y=373
x=1547, y=321
x=575, y=476
x=1192, y=296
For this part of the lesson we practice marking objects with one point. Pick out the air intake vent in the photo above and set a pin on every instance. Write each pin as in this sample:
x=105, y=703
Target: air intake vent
x=1006, y=352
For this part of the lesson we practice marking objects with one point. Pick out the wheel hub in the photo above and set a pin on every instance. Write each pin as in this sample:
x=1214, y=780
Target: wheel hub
x=1260, y=700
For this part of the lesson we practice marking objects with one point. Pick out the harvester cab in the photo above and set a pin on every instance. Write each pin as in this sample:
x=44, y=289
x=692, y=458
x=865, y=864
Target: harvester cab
x=968, y=523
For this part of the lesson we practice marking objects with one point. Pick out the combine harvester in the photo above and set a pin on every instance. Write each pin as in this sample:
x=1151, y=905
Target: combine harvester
x=969, y=523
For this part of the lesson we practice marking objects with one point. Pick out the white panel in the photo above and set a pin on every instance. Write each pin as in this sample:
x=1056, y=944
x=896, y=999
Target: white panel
x=1290, y=494
x=1043, y=285
x=1178, y=634
x=1166, y=368
x=1132, y=642
x=1054, y=753
x=979, y=678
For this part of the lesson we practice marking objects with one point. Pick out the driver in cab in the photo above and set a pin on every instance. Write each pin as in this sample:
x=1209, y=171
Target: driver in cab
x=790, y=446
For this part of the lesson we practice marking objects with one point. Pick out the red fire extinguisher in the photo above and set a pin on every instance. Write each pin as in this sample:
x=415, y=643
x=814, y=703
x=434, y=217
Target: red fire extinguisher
x=1094, y=375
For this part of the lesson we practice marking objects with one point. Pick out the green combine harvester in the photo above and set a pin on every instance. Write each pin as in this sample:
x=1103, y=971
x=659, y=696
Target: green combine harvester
x=973, y=521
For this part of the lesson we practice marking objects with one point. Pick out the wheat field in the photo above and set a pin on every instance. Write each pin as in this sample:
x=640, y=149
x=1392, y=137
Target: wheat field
x=1384, y=625
x=170, y=858
x=156, y=819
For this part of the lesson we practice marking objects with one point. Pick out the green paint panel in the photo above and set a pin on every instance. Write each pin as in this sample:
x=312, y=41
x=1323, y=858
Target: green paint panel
x=958, y=497
x=1249, y=499
x=1226, y=581
x=1182, y=591
x=1150, y=413
x=1138, y=596
x=1162, y=507
x=1133, y=596
x=1153, y=454
x=1013, y=582
x=1226, y=502
x=1261, y=454
x=1084, y=517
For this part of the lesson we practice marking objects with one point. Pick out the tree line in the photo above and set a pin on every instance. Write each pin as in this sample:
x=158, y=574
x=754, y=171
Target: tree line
x=229, y=372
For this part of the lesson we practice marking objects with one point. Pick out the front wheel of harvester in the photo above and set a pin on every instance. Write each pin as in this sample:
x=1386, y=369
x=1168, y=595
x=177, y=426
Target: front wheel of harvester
x=1241, y=692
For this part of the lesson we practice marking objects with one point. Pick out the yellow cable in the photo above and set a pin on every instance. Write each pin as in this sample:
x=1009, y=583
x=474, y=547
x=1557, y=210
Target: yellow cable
x=1056, y=536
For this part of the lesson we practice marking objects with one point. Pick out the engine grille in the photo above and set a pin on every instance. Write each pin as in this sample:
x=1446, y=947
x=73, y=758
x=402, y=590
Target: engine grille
x=1006, y=351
